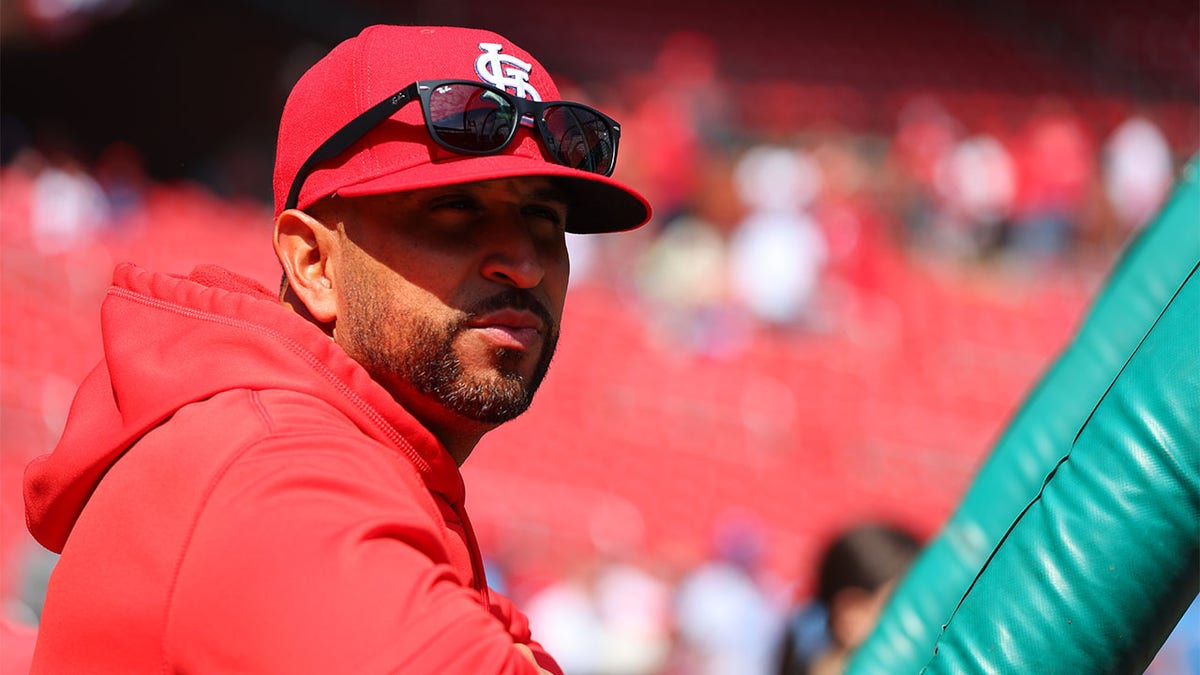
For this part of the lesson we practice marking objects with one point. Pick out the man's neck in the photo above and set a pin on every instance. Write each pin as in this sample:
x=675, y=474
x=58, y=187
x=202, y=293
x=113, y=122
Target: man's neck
x=458, y=435
x=458, y=443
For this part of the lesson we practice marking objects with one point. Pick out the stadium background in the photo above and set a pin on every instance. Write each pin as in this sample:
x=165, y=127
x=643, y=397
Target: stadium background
x=677, y=425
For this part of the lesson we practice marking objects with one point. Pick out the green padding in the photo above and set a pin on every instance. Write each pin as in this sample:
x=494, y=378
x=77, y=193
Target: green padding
x=1099, y=568
x=1038, y=436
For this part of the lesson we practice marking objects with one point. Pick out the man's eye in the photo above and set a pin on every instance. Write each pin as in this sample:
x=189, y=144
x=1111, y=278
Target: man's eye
x=456, y=204
x=545, y=213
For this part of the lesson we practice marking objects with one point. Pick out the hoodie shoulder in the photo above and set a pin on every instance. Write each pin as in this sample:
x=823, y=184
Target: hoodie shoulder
x=170, y=341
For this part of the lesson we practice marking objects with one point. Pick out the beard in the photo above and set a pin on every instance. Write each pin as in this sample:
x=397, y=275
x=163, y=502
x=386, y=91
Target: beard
x=422, y=355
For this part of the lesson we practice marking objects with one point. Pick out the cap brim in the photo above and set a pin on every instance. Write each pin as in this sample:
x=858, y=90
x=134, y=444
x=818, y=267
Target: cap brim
x=598, y=203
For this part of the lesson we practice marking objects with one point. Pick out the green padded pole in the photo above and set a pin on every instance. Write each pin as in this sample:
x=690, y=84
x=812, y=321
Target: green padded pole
x=1100, y=566
x=1148, y=274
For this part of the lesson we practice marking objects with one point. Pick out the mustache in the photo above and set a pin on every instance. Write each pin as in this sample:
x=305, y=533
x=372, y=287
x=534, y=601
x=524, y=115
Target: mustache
x=514, y=298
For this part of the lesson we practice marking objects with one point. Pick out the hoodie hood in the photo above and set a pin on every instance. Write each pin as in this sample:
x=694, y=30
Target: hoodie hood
x=170, y=341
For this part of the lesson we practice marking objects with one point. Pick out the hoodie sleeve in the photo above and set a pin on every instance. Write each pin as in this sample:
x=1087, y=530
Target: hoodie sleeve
x=315, y=554
x=518, y=627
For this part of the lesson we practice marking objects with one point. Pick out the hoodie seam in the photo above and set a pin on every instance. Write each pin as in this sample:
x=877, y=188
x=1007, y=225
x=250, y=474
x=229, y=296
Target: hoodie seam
x=261, y=409
x=311, y=359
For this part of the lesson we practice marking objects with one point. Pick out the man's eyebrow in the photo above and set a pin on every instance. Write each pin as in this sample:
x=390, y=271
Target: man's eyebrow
x=552, y=193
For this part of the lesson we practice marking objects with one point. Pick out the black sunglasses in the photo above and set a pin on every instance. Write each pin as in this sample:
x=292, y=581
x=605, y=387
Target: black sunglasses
x=472, y=118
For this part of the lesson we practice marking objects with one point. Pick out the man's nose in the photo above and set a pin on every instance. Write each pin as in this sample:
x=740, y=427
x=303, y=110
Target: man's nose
x=513, y=255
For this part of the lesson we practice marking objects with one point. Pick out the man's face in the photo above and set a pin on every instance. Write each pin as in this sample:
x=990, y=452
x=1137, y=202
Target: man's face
x=451, y=297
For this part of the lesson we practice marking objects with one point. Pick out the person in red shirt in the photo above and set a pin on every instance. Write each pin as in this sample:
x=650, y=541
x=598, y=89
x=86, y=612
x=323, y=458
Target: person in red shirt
x=265, y=482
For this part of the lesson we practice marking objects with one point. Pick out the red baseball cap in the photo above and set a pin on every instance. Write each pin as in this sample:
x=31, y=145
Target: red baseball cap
x=398, y=154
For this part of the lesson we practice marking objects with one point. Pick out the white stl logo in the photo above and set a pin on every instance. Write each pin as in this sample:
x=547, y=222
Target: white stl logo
x=504, y=71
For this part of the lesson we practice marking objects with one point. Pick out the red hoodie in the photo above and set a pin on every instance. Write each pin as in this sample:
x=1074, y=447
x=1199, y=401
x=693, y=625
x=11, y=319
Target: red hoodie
x=233, y=493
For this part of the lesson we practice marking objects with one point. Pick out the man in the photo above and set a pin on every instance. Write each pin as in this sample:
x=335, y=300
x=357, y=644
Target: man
x=249, y=485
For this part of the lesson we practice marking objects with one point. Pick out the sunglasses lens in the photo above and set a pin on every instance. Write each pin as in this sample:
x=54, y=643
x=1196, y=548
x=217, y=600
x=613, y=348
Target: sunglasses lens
x=579, y=138
x=471, y=119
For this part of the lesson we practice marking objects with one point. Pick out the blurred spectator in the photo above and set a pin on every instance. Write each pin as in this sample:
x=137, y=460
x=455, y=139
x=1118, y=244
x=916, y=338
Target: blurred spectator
x=583, y=257
x=977, y=183
x=68, y=207
x=568, y=623
x=604, y=618
x=683, y=277
x=680, y=109
x=1137, y=170
x=777, y=252
x=726, y=621
x=926, y=134
x=634, y=606
x=1055, y=168
x=855, y=576
x=120, y=174
x=855, y=232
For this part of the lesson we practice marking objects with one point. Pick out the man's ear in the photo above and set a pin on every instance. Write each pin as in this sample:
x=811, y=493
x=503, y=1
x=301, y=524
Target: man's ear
x=305, y=247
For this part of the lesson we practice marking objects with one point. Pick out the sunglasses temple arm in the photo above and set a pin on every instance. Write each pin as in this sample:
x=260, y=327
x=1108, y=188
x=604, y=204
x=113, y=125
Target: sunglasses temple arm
x=346, y=136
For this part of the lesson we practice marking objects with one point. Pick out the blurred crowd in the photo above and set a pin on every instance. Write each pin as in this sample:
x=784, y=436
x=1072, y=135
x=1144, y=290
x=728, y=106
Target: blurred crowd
x=782, y=227
x=725, y=615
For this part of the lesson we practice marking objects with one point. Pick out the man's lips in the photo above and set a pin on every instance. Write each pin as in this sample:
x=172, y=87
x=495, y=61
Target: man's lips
x=509, y=328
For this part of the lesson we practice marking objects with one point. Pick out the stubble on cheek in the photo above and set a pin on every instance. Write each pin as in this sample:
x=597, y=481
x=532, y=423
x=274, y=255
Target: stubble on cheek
x=416, y=352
